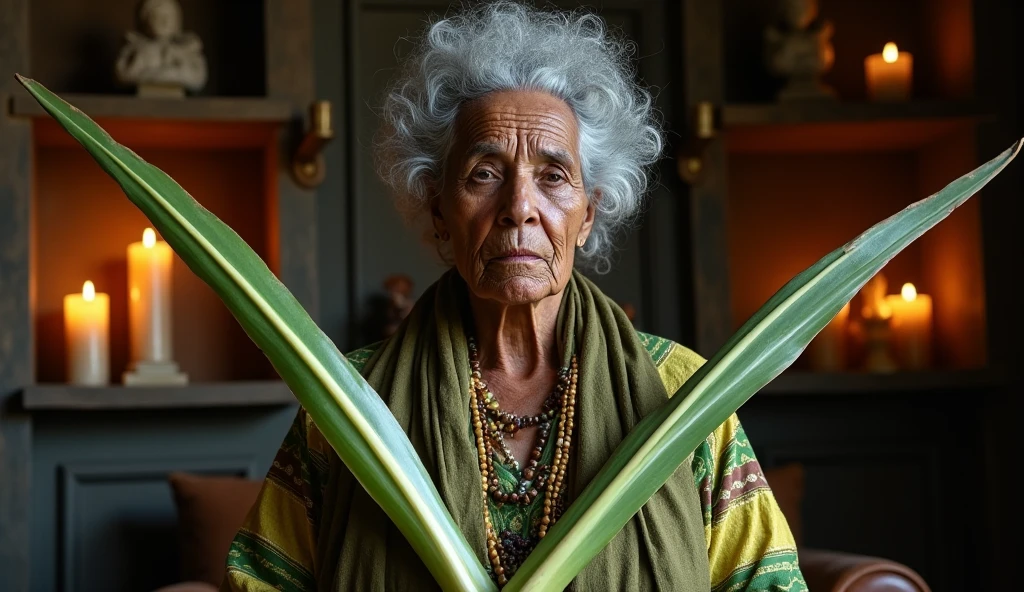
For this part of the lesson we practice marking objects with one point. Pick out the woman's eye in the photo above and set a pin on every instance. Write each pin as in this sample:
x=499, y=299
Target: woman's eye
x=483, y=175
x=554, y=178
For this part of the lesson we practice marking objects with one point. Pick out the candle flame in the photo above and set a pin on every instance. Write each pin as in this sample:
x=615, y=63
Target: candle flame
x=890, y=53
x=88, y=291
x=148, y=238
x=909, y=292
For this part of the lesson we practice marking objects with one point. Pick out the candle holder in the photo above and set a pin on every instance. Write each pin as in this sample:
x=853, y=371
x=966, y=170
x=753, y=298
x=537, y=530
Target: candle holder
x=149, y=314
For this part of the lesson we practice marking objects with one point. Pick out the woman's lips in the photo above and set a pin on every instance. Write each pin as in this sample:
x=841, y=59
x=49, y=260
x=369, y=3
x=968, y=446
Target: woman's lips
x=517, y=256
x=516, y=259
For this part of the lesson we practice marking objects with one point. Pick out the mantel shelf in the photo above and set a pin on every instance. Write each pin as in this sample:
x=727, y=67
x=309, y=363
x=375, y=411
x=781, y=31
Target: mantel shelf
x=62, y=397
x=841, y=126
x=224, y=109
x=900, y=383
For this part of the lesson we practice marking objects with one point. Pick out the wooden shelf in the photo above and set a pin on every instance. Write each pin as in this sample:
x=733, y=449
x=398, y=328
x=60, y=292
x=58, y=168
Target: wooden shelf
x=224, y=109
x=62, y=397
x=809, y=383
x=842, y=127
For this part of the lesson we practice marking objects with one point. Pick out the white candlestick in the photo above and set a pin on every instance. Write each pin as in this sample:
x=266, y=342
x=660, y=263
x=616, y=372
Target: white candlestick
x=149, y=299
x=889, y=74
x=912, y=328
x=87, y=331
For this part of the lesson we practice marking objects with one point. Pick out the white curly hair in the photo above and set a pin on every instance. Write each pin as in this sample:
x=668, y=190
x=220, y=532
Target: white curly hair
x=507, y=45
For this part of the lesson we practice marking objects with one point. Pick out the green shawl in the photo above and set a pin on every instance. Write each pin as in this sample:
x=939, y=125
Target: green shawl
x=422, y=373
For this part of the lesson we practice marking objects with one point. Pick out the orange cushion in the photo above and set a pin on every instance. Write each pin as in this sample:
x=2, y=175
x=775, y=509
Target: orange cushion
x=787, y=483
x=211, y=509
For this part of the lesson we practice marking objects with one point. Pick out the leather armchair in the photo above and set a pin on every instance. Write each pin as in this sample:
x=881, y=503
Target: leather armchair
x=835, y=571
x=846, y=572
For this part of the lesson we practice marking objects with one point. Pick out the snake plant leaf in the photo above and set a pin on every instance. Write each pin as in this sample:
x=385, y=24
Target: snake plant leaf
x=763, y=347
x=350, y=414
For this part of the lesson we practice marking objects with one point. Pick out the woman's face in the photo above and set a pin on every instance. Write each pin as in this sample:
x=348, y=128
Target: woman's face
x=513, y=201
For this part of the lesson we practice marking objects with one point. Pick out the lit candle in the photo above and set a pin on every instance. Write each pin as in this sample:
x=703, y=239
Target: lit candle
x=827, y=351
x=149, y=299
x=912, y=327
x=87, y=329
x=889, y=74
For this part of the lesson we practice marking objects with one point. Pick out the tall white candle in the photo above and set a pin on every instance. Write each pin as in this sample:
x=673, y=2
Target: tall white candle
x=912, y=327
x=87, y=331
x=149, y=299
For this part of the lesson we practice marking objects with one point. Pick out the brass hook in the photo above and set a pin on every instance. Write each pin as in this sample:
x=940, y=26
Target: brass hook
x=690, y=159
x=308, y=161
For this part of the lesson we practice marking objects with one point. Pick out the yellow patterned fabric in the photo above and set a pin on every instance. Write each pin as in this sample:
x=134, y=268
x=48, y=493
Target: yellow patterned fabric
x=750, y=546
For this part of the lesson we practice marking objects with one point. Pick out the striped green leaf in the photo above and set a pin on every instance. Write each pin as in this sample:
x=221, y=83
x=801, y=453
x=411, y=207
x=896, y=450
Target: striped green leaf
x=350, y=414
x=763, y=347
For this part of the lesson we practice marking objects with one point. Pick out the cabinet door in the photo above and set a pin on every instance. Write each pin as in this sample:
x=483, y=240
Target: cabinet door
x=649, y=267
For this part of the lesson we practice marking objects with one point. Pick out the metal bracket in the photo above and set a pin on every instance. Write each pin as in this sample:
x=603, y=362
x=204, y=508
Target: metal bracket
x=308, y=167
x=690, y=159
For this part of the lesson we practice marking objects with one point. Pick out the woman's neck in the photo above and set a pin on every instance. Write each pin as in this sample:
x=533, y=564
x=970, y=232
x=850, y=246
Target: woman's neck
x=517, y=341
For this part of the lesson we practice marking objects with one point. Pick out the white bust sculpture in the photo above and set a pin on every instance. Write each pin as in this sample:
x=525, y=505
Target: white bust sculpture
x=162, y=59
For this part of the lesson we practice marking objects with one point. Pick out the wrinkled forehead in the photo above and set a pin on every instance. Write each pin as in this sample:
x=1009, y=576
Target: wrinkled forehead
x=517, y=122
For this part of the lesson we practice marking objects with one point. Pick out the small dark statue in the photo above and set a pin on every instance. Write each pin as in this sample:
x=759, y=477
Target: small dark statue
x=799, y=48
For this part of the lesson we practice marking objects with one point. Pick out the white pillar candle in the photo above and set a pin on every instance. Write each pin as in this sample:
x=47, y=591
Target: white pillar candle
x=149, y=299
x=889, y=74
x=912, y=328
x=87, y=331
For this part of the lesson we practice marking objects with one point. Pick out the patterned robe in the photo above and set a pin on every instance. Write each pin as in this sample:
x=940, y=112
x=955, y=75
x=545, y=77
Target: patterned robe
x=750, y=546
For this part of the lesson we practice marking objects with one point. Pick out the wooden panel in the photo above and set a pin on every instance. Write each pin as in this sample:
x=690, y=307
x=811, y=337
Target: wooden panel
x=925, y=384
x=204, y=395
x=843, y=127
x=191, y=109
x=886, y=479
x=289, y=60
x=703, y=70
x=162, y=133
x=331, y=37
x=103, y=515
x=116, y=518
x=75, y=45
x=15, y=305
x=83, y=227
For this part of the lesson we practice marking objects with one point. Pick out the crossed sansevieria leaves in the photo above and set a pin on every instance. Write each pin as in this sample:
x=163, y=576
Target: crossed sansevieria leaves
x=366, y=436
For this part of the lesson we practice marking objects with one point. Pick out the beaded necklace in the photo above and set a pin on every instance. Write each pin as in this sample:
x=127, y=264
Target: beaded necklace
x=490, y=425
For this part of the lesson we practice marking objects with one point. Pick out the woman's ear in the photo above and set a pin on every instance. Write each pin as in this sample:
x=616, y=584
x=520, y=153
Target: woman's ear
x=588, y=219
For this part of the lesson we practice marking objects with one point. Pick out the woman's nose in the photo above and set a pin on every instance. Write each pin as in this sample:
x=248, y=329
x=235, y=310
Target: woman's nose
x=520, y=207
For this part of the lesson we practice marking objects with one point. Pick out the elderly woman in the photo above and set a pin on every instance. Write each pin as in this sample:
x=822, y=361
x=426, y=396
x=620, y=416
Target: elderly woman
x=522, y=137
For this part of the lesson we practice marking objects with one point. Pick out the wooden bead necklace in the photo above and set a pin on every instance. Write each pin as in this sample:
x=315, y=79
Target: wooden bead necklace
x=490, y=425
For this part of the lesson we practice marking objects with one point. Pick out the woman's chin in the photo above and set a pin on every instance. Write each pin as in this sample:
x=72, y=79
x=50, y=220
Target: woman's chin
x=516, y=289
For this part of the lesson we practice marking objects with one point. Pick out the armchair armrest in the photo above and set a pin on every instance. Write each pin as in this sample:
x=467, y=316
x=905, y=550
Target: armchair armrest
x=831, y=571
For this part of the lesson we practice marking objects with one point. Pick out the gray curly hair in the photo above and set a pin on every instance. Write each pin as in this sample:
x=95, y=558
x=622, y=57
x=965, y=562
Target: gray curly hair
x=505, y=46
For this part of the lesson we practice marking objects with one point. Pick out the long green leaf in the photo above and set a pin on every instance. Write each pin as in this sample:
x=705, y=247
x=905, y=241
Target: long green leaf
x=350, y=414
x=763, y=347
